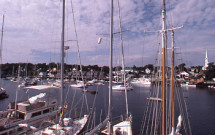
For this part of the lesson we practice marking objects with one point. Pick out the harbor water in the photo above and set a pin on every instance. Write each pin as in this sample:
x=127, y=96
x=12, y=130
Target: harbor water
x=200, y=102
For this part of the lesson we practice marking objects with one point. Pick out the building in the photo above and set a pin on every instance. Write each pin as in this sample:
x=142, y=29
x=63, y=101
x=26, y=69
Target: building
x=206, y=62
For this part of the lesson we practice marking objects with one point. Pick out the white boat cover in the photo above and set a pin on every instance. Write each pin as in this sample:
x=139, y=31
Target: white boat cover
x=179, y=124
x=36, y=98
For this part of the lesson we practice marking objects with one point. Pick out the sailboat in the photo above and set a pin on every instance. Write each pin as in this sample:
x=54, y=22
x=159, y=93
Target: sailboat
x=79, y=84
x=160, y=113
x=3, y=94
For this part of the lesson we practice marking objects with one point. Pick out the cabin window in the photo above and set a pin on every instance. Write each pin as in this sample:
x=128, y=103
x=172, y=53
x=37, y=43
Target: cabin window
x=46, y=111
x=21, y=116
x=36, y=114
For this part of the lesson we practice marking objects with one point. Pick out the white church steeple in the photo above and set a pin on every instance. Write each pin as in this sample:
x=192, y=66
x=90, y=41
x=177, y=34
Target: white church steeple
x=206, y=61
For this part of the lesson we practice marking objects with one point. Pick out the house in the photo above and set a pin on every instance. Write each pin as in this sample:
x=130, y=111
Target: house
x=183, y=75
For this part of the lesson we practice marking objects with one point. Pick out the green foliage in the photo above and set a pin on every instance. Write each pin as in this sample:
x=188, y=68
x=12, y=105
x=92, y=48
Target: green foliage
x=210, y=72
x=181, y=67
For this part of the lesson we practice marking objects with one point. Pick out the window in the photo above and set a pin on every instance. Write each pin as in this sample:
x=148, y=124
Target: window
x=36, y=114
x=46, y=111
x=21, y=115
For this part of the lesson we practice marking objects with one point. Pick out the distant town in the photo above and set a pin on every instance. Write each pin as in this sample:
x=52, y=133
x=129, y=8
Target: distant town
x=191, y=75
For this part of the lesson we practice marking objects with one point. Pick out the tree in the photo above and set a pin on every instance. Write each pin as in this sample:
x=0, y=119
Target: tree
x=150, y=67
x=210, y=72
x=105, y=69
x=134, y=67
x=181, y=67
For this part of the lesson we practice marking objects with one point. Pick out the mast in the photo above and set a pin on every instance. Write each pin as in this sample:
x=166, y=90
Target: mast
x=16, y=98
x=110, y=69
x=163, y=37
x=173, y=91
x=2, y=33
x=123, y=64
x=62, y=60
x=13, y=72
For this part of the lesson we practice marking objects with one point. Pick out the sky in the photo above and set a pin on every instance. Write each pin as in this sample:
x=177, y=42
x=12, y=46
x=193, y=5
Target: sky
x=32, y=31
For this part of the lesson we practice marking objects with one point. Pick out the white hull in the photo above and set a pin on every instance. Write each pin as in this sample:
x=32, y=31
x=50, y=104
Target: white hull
x=188, y=85
x=141, y=81
x=42, y=87
x=122, y=128
x=121, y=87
x=77, y=85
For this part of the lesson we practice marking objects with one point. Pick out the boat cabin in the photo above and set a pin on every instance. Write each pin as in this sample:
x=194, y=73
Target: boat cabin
x=25, y=110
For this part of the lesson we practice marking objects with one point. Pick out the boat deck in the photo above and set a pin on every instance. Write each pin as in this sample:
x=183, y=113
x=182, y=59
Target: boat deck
x=6, y=121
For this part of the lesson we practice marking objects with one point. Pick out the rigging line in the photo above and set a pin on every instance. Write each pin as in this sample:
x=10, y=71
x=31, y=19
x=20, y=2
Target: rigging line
x=100, y=116
x=150, y=117
x=88, y=124
x=94, y=118
x=67, y=95
x=158, y=114
x=82, y=105
x=157, y=108
x=148, y=114
x=159, y=119
x=143, y=47
x=77, y=43
x=153, y=114
x=183, y=116
x=67, y=26
x=181, y=109
x=188, y=121
x=145, y=115
x=94, y=101
x=85, y=99
x=54, y=36
x=76, y=104
x=184, y=113
x=153, y=117
x=76, y=73
x=158, y=92
x=92, y=123
x=73, y=100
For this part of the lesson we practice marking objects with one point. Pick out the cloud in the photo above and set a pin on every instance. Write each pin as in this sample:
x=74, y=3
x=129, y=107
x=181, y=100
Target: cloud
x=32, y=29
